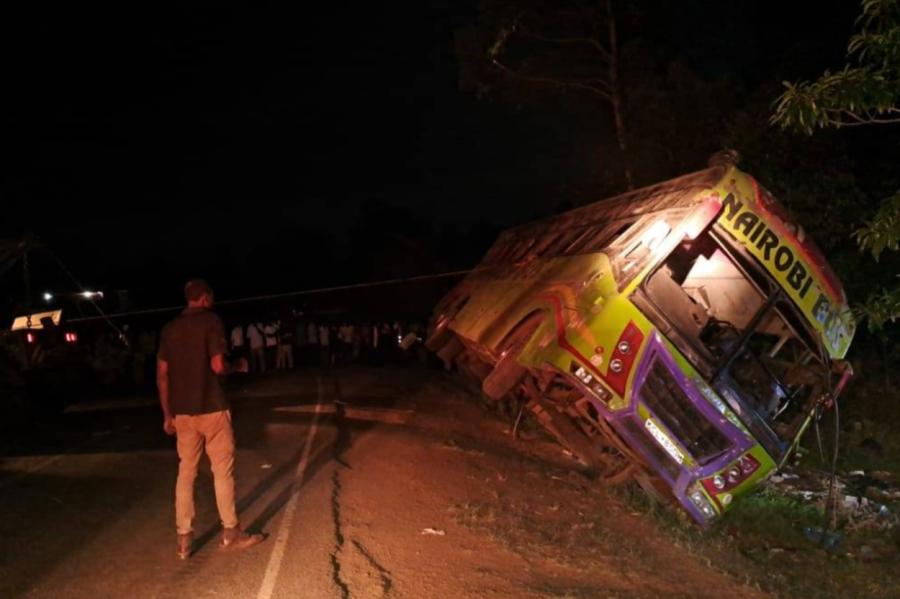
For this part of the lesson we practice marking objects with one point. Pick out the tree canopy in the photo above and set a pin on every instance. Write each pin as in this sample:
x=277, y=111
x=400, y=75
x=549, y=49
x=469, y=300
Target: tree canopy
x=865, y=92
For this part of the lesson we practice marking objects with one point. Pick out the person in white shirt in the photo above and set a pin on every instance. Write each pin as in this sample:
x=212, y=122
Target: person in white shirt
x=325, y=345
x=345, y=339
x=237, y=339
x=257, y=346
x=285, y=357
x=270, y=332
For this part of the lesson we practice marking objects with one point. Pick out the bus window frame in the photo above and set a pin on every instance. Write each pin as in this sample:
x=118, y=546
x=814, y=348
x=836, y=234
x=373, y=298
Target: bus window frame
x=718, y=374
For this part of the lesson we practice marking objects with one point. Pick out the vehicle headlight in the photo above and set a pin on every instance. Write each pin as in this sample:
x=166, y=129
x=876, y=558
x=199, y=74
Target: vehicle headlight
x=616, y=365
x=718, y=481
x=701, y=503
x=624, y=347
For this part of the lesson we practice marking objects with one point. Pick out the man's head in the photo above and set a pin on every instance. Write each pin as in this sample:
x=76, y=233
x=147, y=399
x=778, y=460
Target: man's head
x=198, y=294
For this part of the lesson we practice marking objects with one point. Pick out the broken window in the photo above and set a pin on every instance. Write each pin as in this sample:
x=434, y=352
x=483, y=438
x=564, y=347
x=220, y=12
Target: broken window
x=737, y=322
x=705, y=295
x=778, y=372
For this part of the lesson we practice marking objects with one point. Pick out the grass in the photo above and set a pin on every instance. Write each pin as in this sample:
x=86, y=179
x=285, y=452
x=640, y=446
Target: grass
x=761, y=541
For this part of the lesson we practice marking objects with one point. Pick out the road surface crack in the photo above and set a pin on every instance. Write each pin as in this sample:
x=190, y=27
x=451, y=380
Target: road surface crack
x=340, y=444
x=339, y=582
x=383, y=572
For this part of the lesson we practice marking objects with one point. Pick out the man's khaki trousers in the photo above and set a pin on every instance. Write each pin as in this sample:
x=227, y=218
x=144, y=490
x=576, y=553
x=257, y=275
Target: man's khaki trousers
x=214, y=432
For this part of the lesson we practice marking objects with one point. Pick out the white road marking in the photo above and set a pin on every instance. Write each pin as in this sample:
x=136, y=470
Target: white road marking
x=284, y=531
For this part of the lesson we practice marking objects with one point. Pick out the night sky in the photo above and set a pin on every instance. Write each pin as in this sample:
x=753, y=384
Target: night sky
x=262, y=146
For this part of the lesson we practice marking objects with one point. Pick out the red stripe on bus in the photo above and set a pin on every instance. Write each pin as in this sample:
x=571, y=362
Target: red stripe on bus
x=564, y=343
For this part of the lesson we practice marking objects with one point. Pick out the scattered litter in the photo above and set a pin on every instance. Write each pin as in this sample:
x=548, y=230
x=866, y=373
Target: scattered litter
x=853, y=503
x=266, y=466
x=433, y=531
x=861, y=496
x=827, y=540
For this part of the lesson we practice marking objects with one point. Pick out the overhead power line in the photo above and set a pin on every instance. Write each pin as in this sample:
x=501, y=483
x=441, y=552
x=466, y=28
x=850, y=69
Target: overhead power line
x=273, y=296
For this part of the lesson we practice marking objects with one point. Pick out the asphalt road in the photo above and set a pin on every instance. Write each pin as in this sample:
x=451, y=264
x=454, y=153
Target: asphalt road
x=87, y=500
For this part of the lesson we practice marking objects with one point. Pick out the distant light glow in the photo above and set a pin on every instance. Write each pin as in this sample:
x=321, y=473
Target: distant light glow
x=48, y=296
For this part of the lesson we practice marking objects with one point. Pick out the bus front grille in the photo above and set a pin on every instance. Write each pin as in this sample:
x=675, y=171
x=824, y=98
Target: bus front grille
x=671, y=406
x=650, y=448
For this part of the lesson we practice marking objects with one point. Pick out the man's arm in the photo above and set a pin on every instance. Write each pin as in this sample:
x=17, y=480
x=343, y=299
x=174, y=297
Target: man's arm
x=162, y=384
x=215, y=347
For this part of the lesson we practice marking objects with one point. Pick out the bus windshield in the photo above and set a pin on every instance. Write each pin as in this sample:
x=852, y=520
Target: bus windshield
x=735, y=323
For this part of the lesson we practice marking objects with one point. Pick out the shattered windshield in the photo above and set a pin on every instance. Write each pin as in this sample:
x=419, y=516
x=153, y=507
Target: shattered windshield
x=735, y=319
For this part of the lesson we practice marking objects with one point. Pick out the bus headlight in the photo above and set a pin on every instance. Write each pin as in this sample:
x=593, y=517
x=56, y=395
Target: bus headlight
x=701, y=503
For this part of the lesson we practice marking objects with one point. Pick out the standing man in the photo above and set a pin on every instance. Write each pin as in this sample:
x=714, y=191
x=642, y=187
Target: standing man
x=191, y=355
x=285, y=354
x=270, y=330
x=237, y=341
x=257, y=353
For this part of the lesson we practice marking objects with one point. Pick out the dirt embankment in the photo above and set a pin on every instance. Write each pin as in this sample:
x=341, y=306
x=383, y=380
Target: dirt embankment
x=471, y=512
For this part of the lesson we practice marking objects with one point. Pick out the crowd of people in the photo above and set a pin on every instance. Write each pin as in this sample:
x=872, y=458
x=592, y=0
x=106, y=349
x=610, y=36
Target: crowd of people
x=123, y=359
x=284, y=343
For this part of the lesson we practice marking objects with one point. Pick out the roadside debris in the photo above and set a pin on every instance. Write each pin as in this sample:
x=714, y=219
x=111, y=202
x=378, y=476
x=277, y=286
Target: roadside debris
x=866, y=500
x=433, y=531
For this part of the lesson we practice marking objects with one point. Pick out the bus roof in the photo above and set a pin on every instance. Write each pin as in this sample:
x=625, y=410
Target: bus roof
x=674, y=193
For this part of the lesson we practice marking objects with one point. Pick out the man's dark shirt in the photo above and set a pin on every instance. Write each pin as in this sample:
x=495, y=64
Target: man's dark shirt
x=187, y=344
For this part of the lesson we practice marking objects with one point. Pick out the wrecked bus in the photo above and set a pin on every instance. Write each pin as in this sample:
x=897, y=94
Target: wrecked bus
x=683, y=335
